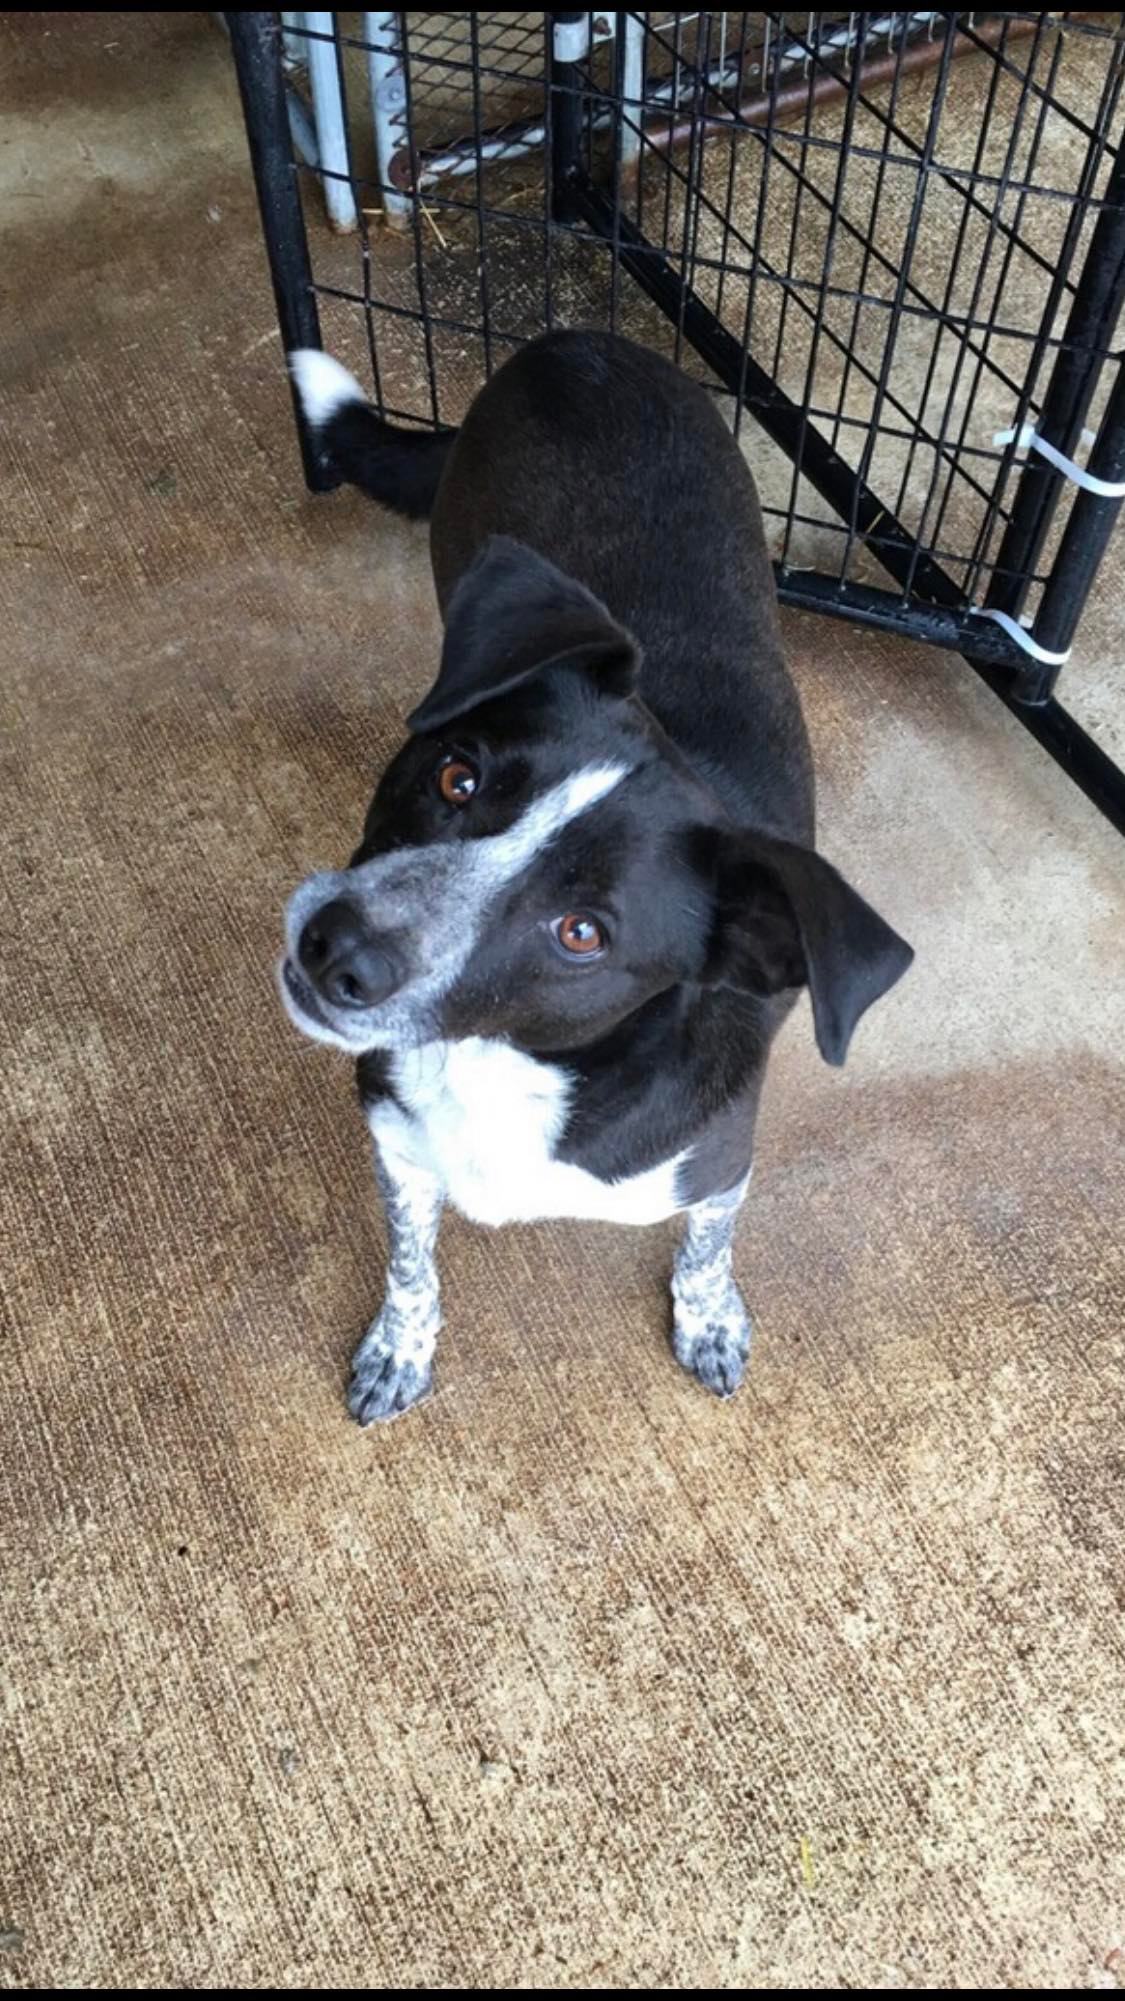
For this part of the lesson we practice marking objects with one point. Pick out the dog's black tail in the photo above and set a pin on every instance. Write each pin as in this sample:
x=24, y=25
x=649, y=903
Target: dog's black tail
x=399, y=468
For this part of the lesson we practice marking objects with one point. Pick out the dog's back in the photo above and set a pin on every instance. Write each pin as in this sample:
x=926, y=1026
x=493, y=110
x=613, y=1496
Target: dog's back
x=611, y=462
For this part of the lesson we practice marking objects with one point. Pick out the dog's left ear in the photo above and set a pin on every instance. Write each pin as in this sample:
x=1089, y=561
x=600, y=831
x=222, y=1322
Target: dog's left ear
x=783, y=917
x=512, y=615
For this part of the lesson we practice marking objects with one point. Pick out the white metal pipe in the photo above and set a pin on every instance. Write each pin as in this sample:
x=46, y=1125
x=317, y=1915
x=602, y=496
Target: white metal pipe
x=387, y=82
x=328, y=110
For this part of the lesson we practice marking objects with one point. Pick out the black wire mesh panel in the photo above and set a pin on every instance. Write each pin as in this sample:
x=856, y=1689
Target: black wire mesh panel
x=894, y=241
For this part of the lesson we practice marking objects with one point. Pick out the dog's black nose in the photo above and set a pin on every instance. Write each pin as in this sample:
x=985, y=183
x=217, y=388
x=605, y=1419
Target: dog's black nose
x=346, y=965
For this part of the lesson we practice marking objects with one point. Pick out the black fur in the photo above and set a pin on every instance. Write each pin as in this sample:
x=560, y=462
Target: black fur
x=628, y=605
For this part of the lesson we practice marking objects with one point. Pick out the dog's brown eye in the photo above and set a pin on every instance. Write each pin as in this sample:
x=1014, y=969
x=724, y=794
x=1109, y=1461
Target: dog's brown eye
x=456, y=780
x=579, y=934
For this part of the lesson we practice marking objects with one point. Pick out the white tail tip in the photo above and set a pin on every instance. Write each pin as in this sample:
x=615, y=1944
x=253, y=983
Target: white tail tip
x=323, y=385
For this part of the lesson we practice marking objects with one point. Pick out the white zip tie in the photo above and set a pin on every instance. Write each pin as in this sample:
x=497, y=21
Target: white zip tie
x=1028, y=440
x=1021, y=636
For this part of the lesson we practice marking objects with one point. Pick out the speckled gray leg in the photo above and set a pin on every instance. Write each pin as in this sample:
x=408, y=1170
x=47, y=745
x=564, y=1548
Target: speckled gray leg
x=710, y=1324
x=391, y=1368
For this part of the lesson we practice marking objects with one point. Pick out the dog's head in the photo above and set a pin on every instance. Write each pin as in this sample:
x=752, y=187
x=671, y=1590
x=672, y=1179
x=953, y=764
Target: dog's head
x=538, y=861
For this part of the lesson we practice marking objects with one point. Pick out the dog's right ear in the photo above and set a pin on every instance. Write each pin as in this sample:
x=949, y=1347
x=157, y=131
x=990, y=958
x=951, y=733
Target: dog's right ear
x=512, y=616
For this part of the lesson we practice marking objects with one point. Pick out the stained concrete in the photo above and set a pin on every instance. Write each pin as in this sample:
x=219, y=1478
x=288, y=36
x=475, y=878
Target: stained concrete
x=573, y=1678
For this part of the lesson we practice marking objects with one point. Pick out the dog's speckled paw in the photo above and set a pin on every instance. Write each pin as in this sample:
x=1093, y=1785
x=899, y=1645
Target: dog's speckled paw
x=713, y=1343
x=385, y=1381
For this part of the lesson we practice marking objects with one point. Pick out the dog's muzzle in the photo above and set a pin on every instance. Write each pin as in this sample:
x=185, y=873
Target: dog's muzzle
x=341, y=973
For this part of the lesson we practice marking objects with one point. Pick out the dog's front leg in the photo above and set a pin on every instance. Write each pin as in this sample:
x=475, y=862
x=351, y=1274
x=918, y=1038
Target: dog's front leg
x=391, y=1368
x=710, y=1325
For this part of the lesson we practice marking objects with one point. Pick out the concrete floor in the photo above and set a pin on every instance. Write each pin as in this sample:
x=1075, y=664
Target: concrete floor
x=574, y=1678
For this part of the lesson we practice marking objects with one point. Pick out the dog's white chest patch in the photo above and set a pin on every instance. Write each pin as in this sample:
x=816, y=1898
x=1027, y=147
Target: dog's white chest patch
x=484, y=1118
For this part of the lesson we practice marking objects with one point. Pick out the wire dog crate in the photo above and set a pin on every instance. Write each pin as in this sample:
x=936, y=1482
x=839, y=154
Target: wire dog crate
x=894, y=241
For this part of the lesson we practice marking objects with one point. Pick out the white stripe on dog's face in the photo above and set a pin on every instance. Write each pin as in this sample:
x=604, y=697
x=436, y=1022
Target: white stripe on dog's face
x=434, y=899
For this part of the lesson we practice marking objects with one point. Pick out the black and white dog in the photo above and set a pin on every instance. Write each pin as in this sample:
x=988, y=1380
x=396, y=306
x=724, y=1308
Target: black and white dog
x=586, y=892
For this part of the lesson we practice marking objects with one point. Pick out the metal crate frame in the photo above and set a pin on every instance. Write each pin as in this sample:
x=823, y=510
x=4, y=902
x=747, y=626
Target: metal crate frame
x=625, y=115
